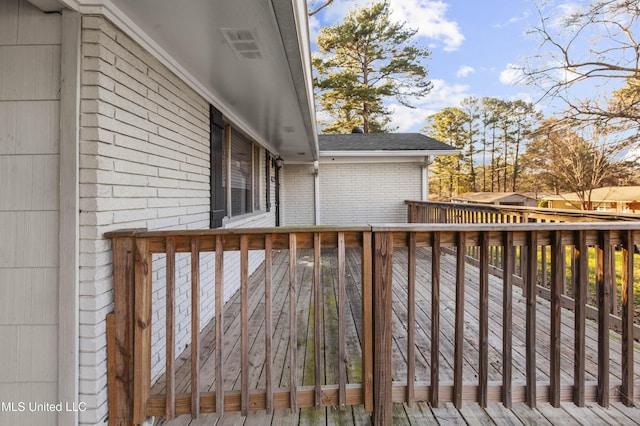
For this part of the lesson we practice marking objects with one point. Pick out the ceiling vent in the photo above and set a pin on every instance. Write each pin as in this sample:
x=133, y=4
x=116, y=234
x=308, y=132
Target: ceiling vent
x=243, y=42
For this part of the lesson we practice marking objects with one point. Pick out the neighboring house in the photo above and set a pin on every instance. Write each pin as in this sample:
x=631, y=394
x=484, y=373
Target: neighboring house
x=621, y=199
x=360, y=178
x=496, y=198
x=122, y=114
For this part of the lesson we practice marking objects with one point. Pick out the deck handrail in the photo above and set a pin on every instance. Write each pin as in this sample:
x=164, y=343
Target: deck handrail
x=129, y=334
x=449, y=214
x=452, y=212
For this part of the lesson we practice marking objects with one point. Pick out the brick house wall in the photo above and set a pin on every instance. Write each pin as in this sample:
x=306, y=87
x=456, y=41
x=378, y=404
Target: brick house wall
x=144, y=163
x=297, y=195
x=355, y=193
x=362, y=193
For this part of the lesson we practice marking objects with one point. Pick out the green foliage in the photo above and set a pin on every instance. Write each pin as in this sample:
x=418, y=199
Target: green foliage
x=450, y=173
x=492, y=135
x=363, y=60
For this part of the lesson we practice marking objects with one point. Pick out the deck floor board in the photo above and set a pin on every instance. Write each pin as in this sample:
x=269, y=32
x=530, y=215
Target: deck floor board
x=420, y=413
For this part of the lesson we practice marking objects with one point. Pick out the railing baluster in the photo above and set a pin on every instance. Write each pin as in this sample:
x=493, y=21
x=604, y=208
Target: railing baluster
x=483, y=367
x=170, y=329
x=411, y=320
x=627, y=318
x=543, y=265
x=268, y=277
x=244, y=325
x=613, y=296
x=531, y=282
x=219, y=324
x=603, y=287
x=556, y=287
x=195, y=328
x=459, y=321
x=435, y=319
x=342, y=370
x=580, y=287
x=317, y=303
x=293, y=339
x=507, y=317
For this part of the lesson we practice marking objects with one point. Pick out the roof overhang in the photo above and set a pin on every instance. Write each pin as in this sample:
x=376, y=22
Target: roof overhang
x=270, y=97
x=389, y=156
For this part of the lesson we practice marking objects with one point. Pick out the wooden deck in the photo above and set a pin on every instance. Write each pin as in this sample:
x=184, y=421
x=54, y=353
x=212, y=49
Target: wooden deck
x=420, y=413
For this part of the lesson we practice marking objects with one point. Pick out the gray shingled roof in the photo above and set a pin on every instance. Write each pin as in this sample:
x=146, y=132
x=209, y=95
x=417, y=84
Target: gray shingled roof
x=380, y=142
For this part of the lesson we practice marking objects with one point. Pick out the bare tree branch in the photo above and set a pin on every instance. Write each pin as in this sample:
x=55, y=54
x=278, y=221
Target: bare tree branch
x=318, y=9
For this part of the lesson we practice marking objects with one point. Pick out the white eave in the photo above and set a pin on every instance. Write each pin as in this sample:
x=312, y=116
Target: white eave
x=270, y=98
x=413, y=156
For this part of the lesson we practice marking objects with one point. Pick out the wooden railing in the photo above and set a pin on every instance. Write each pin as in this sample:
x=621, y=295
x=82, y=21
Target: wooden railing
x=129, y=327
x=129, y=334
x=443, y=212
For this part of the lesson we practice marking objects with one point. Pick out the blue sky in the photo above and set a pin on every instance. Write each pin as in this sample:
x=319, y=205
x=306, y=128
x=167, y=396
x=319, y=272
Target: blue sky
x=474, y=45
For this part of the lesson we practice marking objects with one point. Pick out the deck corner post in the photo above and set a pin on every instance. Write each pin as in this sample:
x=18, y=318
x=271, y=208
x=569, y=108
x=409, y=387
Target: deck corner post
x=382, y=310
x=142, y=329
x=120, y=332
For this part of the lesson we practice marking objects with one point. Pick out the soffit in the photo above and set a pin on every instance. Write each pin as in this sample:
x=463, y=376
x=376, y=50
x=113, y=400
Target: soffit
x=269, y=96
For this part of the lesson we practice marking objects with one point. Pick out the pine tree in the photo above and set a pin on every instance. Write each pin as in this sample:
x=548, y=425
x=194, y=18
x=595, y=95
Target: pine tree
x=364, y=60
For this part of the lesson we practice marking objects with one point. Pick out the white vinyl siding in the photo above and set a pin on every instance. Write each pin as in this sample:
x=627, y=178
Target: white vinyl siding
x=29, y=208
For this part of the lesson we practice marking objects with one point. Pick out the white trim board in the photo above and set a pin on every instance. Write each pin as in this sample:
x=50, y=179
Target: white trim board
x=68, y=278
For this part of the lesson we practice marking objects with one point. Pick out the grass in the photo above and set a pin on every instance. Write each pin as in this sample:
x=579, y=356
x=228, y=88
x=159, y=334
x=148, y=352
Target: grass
x=591, y=294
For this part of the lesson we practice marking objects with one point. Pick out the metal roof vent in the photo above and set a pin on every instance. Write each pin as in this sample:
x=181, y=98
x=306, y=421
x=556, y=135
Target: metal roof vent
x=357, y=130
x=243, y=42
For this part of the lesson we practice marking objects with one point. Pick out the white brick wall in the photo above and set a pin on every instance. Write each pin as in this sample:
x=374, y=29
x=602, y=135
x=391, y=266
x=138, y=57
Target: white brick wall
x=144, y=163
x=363, y=193
x=297, y=196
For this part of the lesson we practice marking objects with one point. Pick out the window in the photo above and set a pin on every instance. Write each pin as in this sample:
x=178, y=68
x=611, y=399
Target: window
x=240, y=173
x=218, y=167
x=257, y=190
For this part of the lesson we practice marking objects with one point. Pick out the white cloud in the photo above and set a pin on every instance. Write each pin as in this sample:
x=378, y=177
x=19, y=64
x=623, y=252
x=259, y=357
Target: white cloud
x=514, y=20
x=464, y=71
x=427, y=16
x=445, y=95
x=562, y=16
x=511, y=75
x=408, y=120
x=442, y=95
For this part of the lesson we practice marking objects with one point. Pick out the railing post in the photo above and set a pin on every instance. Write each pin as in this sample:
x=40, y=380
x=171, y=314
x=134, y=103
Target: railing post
x=382, y=305
x=142, y=330
x=120, y=334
